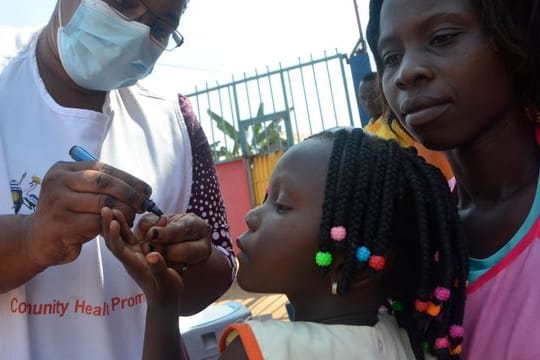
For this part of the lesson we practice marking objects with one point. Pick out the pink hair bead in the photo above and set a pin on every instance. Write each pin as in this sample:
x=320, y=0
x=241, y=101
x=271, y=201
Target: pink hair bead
x=338, y=233
x=442, y=293
x=456, y=331
x=436, y=257
x=441, y=343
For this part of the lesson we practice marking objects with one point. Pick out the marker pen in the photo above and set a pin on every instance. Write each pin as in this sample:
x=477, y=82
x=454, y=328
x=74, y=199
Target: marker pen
x=78, y=153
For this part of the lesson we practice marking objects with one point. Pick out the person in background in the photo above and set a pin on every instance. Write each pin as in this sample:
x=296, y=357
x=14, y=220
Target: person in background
x=463, y=77
x=63, y=295
x=351, y=223
x=372, y=101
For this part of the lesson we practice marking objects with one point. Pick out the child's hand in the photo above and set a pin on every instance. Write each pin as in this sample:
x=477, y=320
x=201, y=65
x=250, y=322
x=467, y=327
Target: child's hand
x=149, y=269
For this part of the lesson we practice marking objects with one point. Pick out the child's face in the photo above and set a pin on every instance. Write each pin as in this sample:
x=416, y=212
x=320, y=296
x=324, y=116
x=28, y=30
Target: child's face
x=440, y=76
x=278, y=250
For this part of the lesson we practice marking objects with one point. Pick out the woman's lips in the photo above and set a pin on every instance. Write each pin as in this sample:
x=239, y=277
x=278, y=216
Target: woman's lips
x=426, y=114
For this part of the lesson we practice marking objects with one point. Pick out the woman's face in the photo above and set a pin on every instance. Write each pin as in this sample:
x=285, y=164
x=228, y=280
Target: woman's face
x=440, y=75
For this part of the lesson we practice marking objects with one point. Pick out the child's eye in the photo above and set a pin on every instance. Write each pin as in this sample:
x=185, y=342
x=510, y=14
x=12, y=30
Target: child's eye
x=443, y=38
x=280, y=208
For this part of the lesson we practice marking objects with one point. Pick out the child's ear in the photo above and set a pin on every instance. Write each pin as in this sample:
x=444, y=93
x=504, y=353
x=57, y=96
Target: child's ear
x=363, y=277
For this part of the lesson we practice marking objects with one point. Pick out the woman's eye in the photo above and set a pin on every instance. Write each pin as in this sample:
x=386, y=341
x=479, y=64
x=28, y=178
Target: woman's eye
x=391, y=59
x=443, y=39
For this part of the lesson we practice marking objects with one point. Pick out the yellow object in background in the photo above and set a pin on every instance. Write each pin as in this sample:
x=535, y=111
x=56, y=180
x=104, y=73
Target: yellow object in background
x=381, y=128
x=261, y=169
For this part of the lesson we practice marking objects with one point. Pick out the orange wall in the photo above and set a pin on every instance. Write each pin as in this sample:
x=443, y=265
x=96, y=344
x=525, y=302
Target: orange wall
x=233, y=180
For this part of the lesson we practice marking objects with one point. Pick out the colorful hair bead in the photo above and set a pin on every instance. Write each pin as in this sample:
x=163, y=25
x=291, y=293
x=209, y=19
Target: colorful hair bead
x=436, y=257
x=442, y=293
x=456, y=331
x=338, y=233
x=377, y=262
x=425, y=346
x=323, y=258
x=456, y=350
x=441, y=343
x=421, y=306
x=433, y=310
x=363, y=254
x=397, y=306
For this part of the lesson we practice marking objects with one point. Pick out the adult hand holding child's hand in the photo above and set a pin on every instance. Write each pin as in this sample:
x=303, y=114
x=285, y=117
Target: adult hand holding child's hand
x=160, y=283
x=183, y=240
x=69, y=210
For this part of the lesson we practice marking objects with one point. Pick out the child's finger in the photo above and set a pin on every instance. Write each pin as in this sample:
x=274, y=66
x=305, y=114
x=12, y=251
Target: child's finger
x=114, y=239
x=157, y=263
x=106, y=218
x=164, y=276
x=133, y=261
x=115, y=243
x=125, y=229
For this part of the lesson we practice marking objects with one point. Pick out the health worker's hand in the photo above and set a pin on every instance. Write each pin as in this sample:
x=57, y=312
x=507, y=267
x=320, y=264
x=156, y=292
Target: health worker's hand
x=69, y=210
x=160, y=283
x=184, y=240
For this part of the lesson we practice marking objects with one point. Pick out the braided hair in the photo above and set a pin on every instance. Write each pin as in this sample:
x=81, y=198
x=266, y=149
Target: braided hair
x=391, y=204
x=512, y=28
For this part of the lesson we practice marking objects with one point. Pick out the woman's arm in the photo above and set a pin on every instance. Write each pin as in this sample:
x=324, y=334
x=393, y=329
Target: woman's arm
x=205, y=282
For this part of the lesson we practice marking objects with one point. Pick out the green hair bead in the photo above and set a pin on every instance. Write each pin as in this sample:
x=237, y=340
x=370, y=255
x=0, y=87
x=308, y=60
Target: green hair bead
x=323, y=258
x=397, y=306
x=425, y=346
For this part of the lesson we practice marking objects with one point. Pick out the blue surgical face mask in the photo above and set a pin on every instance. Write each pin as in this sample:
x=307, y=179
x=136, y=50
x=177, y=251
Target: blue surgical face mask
x=100, y=50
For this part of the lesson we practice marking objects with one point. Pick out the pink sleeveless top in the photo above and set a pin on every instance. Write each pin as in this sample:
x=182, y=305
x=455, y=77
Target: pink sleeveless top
x=502, y=313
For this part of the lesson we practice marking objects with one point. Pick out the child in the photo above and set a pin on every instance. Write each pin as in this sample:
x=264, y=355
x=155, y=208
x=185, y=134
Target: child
x=351, y=222
x=463, y=76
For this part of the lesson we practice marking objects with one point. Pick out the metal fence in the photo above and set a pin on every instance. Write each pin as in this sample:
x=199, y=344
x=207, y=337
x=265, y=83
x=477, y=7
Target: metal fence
x=268, y=112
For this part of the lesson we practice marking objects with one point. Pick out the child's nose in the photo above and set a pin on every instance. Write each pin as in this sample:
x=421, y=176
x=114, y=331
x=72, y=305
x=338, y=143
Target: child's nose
x=251, y=220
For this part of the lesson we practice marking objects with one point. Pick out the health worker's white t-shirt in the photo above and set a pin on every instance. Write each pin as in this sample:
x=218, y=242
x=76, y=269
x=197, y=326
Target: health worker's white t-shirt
x=90, y=308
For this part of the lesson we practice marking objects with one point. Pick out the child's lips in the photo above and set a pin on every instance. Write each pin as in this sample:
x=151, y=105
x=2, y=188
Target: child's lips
x=240, y=243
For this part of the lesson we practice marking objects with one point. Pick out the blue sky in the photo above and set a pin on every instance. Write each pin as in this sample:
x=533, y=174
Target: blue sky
x=226, y=38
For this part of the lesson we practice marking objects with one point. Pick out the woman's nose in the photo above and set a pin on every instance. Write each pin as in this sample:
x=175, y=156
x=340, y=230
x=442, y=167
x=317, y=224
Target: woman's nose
x=413, y=70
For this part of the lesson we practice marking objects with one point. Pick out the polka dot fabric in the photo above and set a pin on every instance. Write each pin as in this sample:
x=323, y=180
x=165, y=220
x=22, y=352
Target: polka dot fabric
x=206, y=200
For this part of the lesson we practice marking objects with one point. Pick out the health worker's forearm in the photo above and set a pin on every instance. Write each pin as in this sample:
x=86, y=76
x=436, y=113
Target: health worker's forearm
x=16, y=267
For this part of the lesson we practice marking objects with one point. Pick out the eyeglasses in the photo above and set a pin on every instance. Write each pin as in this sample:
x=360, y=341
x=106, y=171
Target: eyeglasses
x=162, y=32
